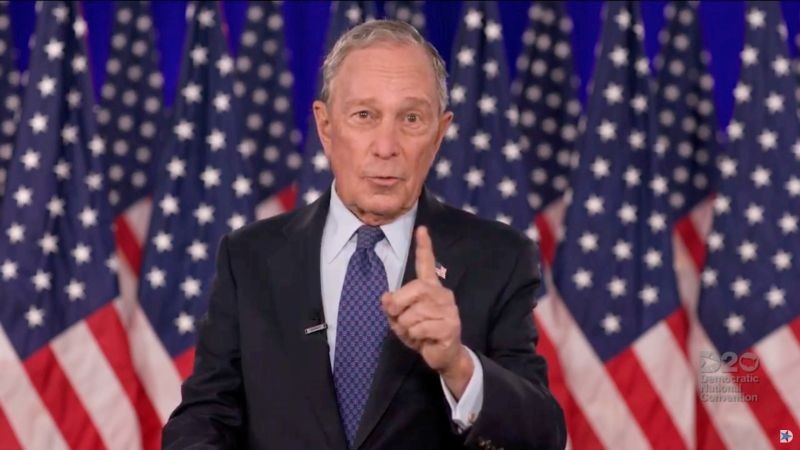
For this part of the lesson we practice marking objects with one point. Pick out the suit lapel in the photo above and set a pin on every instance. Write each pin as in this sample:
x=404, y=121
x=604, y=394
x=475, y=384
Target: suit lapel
x=396, y=360
x=296, y=270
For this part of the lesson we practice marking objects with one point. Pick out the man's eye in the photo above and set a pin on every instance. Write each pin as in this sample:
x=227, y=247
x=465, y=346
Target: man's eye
x=362, y=114
x=413, y=118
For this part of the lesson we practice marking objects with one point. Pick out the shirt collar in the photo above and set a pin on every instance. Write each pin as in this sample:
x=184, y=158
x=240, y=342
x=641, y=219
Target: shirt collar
x=343, y=224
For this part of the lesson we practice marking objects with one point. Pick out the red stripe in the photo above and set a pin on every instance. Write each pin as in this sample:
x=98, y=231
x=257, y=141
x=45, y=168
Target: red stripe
x=705, y=431
x=128, y=244
x=767, y=404
x=694, y=242
x=185, y=363
x=579, y=429
x=678, y=324
x=60, y=399
x=288, y=197
x=634, y=385
x=795, y=327
x=113, y=341
x=8, y=439
x=547, y=240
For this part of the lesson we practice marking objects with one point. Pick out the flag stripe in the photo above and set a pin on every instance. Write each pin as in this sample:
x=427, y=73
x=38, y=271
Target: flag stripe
x=184, y=363
x=27, y=415
x=137, y=217
x=603, y=405
x=692, y=240
x=580, y=430
x=157, y=373
x=127, y=244
x=61, y=400
x=547, y=240
x=96, y=385
x=637, y=389
x=779, y=353
x=7, y=435
x=288, y=197
x=706, y=433
x=670, y=375
x=111, y=337
x=678, y=323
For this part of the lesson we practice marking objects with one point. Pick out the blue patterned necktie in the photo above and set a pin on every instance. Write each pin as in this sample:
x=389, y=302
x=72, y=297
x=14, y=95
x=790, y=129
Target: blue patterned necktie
x=361, y=327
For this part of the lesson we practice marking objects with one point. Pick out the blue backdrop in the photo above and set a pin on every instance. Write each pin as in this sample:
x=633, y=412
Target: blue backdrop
x=306, y=24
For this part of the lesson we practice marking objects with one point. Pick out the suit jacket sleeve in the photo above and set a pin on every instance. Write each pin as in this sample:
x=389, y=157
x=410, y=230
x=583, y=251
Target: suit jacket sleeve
x=211, y=411
x=518, y=409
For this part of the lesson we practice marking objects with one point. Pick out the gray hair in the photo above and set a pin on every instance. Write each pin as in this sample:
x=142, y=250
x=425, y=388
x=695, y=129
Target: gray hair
x=381, y=31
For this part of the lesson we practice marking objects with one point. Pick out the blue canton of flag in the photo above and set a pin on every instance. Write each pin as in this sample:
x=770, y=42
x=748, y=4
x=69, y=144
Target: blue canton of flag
x=479, y=167
x=57, y=245
x=264, y=88
x=687, y=129
x=410, y=11
x=204, y=189
x=751, y=282
x=131, y=112
x=9, y=92
x=545, y=93
x=614, y=267
x=315, y=174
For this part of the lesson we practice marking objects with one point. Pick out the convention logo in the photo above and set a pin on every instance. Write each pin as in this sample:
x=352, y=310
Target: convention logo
x=786, y=436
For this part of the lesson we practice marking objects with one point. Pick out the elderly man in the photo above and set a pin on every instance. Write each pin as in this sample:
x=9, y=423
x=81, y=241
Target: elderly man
x=377, y=317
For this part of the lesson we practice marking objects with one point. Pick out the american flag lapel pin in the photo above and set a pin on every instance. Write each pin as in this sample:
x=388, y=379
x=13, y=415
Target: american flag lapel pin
x=441, y=271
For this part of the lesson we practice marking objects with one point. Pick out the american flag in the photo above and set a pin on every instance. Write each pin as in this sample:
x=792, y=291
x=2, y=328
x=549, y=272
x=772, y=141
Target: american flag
x=203, y=190
x=684, y=103
x=131, y=111
x=545, y=92
x=411, y=11
x=68, y=379
x=315, y=173
x=9, y=92
x=615, y=316
x=751, y=281
x=264, y=89
x=480, y=164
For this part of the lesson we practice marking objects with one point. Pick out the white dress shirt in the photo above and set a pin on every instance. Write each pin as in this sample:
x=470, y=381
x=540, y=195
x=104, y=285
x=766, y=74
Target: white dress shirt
x=339, y=244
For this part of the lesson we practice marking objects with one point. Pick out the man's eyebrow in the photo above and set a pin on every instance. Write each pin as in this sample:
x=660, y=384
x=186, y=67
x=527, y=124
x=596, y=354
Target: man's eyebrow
x=414, y=101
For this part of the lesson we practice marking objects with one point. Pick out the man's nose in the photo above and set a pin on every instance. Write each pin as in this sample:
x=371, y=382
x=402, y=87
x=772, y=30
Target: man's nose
x=387, y=140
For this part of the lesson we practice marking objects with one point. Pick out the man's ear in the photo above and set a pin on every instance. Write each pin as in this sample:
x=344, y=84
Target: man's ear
x=322, y=119
x=444, y=122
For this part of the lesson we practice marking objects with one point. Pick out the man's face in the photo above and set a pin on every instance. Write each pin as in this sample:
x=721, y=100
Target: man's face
x=381, y=129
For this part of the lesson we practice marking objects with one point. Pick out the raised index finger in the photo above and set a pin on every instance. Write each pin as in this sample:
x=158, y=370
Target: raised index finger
x=425, y=261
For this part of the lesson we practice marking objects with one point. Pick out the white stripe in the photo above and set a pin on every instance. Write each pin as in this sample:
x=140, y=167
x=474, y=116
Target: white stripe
x=671, y=377
x=155, y=368
x=599, y=399
x=779, y=354
x=270, y=207
x=735, y=422
x=138, y=218
x=26, y=413
x=97, y=387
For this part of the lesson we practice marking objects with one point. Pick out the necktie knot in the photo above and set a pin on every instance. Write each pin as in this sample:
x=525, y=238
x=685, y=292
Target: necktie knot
x=368, y=236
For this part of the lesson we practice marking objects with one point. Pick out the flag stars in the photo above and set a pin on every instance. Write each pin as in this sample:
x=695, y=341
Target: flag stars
x=82, y=253
x=512, y=151
x=734, y=323
x=54, y=49
x=206, y=18
x=617, y=287
x=465, y=57
x=69, y=134
x=715, y=241
x=75, y=290
x=709, y=277
x=652, y=258
x=78, y=64
x=627, y=213
x=184, y=323
x=184, y=130
x=452, y=132
x=780, y=66
x=487, y=104
x=23, y=196
x=582, y=279
x=199, y=55
x=94, y=181
x=618, y=56
x=722, y=204
x=622, y=250
x=38, y=123
x=782, y=260
x=774, y=103
x=97, y=145
x=611, y=324
x=491, y=69
x=236, y=221
x=747, y=251
x=473, y=19
x=16, y=233
x=788, y=223
x=607, y=130
x=46, y=86
x=458, y=94
x=48, y=243
x=8, y=270
x=162, y=241
x=168, y=205
x=623, y=19
x=241, y=186
x=775, y=297
x=443, y=168
x=740, y=287
x=88, y=217
x=613, y=93
x=353, y=14
x=793, y=186
x=198, y=251
x=55, y=206
x=594, y=205
x=755, y=18
x=156, y=277
x=588, y=242
x=761, y=177
x=649, y=295
x=480, y=141
x=600, y=168
x=632, y=177
x=210, y=177
x=192, y=92
x=41, y=281
x=474, y=178
x=659, y=185
x=742, y=92
x=222, y=102
x=190, y=287
x=727, y=167
x=225, y=65
x=204, y=214
x=320, y=162
x=507, y=187
x=636, y=140
x=735, y=130
x=176, y=168
x=754, y=214
x=749, y=55
x=34, y=316
x=639, y=103
x=493, y=31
